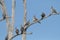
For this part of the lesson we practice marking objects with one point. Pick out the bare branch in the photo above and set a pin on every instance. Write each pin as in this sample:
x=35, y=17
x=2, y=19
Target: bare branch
x=41, y=20
x=14, y=36
x=13, y=12
x=25, y=11
x=19, y=34
x=4, y=11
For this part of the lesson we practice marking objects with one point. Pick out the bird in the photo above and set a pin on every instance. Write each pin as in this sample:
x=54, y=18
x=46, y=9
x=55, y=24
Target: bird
x=22, y=29
x=17, y=31
x=53, y=10
x=35, y=19
x=3, y=18
x=0, y=2
x=27, y=23
x=6, y=38
x=4, y=14
x=42, y=15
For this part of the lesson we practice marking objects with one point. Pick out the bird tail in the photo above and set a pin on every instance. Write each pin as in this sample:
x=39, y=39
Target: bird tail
x=39, y=22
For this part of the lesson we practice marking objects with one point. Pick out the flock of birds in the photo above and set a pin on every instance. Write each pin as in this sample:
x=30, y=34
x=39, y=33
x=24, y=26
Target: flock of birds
x=34, y=20
x=43, y=15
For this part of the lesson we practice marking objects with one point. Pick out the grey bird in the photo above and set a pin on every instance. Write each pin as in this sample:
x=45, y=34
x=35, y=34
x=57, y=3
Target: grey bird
x=36, y=20
x=42, y=15
x=53, y=10
x=17, y=31
x=27, y=23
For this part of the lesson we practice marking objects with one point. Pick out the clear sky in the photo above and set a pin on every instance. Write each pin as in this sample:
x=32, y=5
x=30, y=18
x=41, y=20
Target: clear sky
x=49, y=29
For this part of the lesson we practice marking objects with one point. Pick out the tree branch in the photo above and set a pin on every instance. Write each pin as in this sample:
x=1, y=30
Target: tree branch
x=40, y=20
x=18, y=35
x=25, y=11
x=14, y=36
x=4, y=11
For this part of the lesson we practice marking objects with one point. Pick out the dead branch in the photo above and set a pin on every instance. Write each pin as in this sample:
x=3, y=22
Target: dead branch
x=40, y=20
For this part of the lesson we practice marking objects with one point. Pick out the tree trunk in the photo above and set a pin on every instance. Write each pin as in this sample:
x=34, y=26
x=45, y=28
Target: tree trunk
x=11, y=29
x=4, y=11
x=25, y=13
x=24, y=36
x=11, y=26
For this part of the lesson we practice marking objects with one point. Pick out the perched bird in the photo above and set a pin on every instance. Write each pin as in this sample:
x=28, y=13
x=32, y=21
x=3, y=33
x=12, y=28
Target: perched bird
x=42, y=15
x=3, y=18
x=6, y=38
x=4, y=15
x=53, y=10
x=3, y=10
x=17, y=31
x=36, y=20
x=0, y=2
x=27, y=23
x=22, y=29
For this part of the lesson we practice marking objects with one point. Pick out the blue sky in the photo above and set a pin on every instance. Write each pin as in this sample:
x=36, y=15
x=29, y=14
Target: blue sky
x=49, y=29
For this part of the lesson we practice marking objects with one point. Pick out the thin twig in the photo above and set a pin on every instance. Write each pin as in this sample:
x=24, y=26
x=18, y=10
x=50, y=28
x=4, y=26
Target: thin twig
x=18, y=35
x=15, y=36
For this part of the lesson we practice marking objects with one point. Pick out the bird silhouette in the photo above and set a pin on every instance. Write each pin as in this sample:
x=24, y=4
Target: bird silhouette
x=6, y=38
x=4, y=14
x=0, y=2
x=42, y=15
x=17, y=31
x=53, y=10
x=3, y=18
x=36, y=20
x=22, y=29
